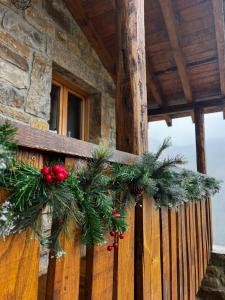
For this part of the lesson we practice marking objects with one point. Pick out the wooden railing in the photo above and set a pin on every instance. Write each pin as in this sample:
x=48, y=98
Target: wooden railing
x=178, y=244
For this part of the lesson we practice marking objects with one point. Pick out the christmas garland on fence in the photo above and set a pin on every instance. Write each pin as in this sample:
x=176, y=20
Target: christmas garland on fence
x=94, y=196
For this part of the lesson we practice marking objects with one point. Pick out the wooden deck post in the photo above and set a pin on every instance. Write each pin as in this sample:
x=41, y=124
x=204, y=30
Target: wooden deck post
x=131, y=136
x=203, y=208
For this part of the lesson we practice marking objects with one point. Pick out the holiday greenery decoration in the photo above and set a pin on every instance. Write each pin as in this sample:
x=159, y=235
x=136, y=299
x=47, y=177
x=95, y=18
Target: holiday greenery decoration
x=94, y=196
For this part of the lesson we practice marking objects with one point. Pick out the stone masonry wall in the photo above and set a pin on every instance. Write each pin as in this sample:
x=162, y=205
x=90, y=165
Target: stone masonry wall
x=33, y=44
x=213, y=285
x=38, y=41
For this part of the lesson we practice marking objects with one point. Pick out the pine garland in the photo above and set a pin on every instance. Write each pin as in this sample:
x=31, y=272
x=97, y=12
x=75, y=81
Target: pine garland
x=95, y=196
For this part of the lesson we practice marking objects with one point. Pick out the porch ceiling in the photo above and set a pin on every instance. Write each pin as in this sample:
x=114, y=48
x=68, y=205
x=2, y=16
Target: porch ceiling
x=185, y=50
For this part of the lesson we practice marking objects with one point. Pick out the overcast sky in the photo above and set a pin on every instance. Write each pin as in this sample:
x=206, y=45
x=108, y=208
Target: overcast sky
x=183, y=133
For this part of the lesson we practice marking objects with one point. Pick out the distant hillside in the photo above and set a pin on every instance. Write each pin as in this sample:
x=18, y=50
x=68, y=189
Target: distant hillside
x=215, y=154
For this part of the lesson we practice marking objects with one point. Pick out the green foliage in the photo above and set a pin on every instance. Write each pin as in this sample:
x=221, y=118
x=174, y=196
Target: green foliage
x=91, y=193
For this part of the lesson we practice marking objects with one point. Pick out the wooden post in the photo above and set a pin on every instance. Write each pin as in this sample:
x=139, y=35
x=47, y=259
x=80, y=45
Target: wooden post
x=203, y=208
x=131, y=124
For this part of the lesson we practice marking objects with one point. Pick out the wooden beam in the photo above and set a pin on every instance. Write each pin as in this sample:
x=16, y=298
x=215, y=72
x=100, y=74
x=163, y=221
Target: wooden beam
x=77, y=11
x=188, y=107
x=218, y=11
x=131, y=124
x=169, y=18
x=154, y=87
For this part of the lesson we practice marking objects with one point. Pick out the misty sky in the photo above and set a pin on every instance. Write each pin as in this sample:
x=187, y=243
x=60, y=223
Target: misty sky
x=183, y=132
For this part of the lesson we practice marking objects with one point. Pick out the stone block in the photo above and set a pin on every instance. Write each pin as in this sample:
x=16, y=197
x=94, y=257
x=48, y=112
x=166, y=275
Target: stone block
x=59, y=14
x=39, y=20
x=11, y=96
x=14, y=44
x=14, y=113
x=213, y=271
x=38, y=100
x=15, y=25
x=211, y=282
x=10, y=73
x=39, y=123
x=12, y=57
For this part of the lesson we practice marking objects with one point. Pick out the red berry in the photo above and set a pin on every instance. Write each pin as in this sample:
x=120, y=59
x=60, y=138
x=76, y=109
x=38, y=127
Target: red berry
x=49, y=178
x=115, y=245
x=60, y=176
x=45, y=170
x=114, y=212
x=121, y=236
x=117, y=215
x=113, y=233
x=109, y=248
x=65, y=173
x=57, y=168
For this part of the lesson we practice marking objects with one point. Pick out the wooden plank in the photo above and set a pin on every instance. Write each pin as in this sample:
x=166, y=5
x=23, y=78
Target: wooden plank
x=99, y=273
x=204, y=235
x=93, y=37
x=169, y=19
x=33, y=138
x=125, y=262
x=152, y=255
x=64, y=273
x=184, y=253
x=194, y=258
x=218, y=12
x=131, y=101
x=180, y=256
x=199, y=242
x=19, y=255
x=181, y=108
x=174, y=254
x=190, y=274
x=165, y=253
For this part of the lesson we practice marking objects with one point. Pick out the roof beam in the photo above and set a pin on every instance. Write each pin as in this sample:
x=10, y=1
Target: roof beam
x=77, y=11
x=188, y=107
x=218, y=12
x=169, y=19
x=153, y=85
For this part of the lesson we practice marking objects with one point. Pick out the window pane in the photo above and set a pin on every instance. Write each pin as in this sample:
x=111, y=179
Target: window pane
x=74, y=116
x=54, y=113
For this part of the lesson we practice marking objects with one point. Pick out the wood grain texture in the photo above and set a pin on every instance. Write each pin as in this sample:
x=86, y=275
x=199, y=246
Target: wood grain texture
x=19, y=255
x=64, y=273
x=152, y=254
x=169, y=18
x=184, y=252
x=165, y=254
x=173, y=253
x=180, y=256
x=125, y=262
x=46, y=141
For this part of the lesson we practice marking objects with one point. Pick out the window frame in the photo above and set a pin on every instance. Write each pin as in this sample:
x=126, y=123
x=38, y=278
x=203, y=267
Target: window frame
x=65, y=88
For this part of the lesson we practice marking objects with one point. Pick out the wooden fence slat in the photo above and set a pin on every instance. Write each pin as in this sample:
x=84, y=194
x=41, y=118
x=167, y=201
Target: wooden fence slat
x=165, y=248
x=19, y=255
x=194, y=264
x=209, y=228
x=125, y=262
x=152, y=256
x=174, y=254
x=195, y=247
x=199, y=241
x=64, y=274
x=191, y=282
x=204, y=235
x=184, y=252
x=180, y=256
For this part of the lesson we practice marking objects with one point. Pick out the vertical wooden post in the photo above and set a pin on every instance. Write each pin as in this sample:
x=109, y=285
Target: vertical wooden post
x=203, y=208
x=131, y=124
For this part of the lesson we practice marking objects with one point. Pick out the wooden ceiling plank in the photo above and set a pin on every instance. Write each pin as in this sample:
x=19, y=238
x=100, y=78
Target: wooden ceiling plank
x=77, y=11
x=154, y=87
x=218, y=102
x=218, y=12
x=169, y=19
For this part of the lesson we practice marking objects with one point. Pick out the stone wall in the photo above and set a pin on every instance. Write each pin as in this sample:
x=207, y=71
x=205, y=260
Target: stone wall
x=213, y=285
x=35, y=43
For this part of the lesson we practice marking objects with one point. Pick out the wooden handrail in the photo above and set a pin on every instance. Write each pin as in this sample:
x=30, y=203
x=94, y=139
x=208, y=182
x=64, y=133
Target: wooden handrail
x=48, y=141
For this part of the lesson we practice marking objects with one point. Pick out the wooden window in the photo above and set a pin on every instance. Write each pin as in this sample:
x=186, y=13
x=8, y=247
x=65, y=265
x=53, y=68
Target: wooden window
x=69, y=110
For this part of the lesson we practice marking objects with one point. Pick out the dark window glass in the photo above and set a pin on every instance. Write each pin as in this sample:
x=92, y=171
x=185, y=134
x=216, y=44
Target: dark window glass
x=74, y=116
x=54, y=113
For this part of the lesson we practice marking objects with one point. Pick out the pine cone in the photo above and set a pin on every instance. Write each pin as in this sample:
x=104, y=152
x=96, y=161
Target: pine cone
x=136, y=189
